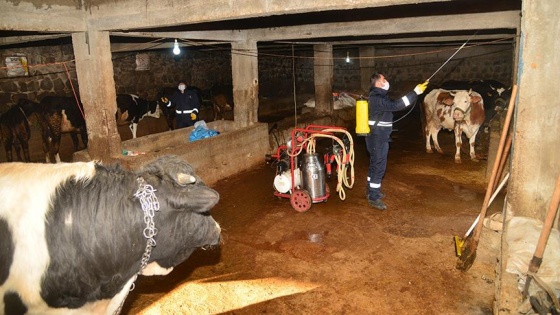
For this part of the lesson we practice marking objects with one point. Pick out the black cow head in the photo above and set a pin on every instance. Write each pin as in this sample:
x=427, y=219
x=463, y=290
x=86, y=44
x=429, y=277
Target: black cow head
x=183, y=221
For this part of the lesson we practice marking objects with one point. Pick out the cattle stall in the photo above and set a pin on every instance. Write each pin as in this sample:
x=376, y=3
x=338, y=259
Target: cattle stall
x=234, y=150
x=341, y=257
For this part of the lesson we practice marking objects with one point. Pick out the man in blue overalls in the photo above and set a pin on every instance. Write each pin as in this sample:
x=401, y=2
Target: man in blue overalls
x=381, y=109
x=187, y=103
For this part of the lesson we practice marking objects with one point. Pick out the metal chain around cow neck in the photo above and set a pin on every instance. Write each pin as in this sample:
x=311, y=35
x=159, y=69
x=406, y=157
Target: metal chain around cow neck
x=150, y=205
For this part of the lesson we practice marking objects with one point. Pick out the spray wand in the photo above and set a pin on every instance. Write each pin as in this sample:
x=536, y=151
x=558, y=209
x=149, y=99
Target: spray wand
x=451, y=56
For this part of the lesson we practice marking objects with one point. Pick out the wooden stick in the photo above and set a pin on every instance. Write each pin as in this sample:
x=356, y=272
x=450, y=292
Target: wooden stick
x=503, y=159
x=493, y=176
x=543, y=238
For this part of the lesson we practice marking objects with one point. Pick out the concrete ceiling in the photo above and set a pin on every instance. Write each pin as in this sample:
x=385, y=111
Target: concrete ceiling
x=140, y=25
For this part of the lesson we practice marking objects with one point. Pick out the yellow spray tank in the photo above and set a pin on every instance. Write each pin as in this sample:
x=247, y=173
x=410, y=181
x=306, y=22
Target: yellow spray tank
x=362, y=117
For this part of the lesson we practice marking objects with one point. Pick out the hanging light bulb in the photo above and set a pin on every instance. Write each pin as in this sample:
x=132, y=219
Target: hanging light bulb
x=347, y=57
x=176, y=49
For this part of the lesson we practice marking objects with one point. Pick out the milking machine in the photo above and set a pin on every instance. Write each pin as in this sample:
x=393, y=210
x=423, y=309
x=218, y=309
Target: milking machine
x=301, y=172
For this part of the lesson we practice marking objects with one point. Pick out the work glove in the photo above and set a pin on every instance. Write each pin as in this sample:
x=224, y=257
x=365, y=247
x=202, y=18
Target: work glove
x=420, y=88
x=165, y=101
x=193, y=116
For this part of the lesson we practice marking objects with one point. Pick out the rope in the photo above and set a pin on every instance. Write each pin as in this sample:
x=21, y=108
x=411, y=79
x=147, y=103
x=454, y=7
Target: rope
x=74, y=90
x=342, y=164
x=342, y=168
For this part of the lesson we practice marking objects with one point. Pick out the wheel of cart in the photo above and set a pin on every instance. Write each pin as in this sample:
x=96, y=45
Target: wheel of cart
x=300, y=200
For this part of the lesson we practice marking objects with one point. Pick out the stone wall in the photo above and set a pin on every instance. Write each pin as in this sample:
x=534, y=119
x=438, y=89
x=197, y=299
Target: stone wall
x=402, y=66
x=196, y=68
x=50, y=68
x=418, y=64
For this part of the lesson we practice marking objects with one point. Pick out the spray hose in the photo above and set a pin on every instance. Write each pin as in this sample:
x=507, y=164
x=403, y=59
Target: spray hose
x=342, y=163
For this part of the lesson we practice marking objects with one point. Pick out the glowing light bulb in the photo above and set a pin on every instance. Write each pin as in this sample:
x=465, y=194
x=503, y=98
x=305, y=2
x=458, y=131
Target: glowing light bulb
x=176, y=49
x=347, y=57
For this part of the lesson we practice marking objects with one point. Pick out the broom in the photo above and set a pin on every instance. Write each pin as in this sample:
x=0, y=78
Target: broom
x=460, y=241
x=470, y=244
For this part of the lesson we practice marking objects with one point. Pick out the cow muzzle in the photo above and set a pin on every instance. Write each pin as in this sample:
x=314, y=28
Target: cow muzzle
x=460, y=114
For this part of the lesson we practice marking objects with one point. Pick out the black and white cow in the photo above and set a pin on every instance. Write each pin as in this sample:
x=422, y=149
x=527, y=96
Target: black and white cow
x=74, y=236
x=131, y=109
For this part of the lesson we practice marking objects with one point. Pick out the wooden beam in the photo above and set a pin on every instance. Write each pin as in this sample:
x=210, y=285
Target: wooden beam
x=414, y=25
x=217, y=36
x=126, y=47
x=499, y=39
x=5, y=41
x=460, y=22
x=130, y=15
x=31, y=16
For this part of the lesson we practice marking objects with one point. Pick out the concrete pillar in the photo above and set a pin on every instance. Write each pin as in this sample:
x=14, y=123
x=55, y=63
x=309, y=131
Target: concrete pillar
x=323, y=76
x=536, y=154
x=367, y=67
x=94, y=69
x=245, y=77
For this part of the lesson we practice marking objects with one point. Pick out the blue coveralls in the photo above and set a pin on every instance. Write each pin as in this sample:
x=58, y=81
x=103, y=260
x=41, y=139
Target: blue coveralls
x=185, y=104
x=381, y=108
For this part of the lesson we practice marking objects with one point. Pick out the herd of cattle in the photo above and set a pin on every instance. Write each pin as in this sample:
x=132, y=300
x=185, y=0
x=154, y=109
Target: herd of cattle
x=445, y=107
x=58, y=115
x=64, y=227
x=462, y=106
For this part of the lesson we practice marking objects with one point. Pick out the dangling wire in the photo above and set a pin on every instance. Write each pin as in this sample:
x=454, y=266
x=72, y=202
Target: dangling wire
x=294, y=85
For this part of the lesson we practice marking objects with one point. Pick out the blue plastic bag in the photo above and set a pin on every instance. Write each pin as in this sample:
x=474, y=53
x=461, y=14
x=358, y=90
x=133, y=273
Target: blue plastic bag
x=201, y=131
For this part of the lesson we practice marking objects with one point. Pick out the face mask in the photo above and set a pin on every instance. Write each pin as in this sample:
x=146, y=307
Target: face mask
x=386, y=86
x=181, y=87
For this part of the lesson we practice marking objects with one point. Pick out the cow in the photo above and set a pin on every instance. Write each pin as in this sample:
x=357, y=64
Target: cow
x=458, y=110
x=222, y=101
x=58, y=115
x=222, y=107
x=74, y=236
x=163, y=97
x=15, y=131
x=131, y=109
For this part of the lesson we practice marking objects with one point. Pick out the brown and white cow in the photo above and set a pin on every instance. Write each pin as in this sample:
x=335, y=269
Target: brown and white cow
x=458, y=110
x=74, y=236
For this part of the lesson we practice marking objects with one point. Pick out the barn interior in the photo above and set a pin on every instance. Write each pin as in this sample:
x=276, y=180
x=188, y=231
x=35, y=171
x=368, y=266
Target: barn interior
x=271, y=58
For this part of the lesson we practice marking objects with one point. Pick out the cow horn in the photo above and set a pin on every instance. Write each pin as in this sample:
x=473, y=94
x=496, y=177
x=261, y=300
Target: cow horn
x=185, y=179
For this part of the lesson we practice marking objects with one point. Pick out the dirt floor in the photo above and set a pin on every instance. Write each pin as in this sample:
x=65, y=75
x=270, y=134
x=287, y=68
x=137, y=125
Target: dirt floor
x=341, y=256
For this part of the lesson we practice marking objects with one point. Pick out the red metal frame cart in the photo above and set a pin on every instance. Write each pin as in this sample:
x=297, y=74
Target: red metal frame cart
x=300, y=171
